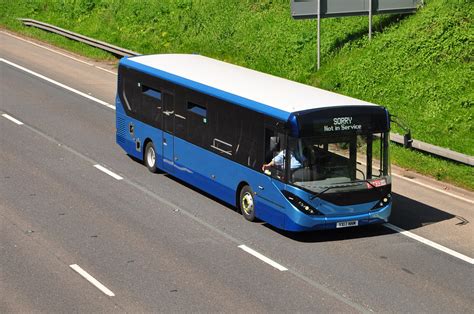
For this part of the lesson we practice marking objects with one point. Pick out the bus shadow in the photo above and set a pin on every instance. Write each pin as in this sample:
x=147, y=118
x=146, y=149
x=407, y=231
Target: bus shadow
x=202, y=192
x=158, y=171
x=333, y=234
x=410, y=214
x=407, y=214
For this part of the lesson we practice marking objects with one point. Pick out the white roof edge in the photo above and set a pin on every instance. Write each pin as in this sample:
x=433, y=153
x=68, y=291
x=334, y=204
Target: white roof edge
x=270, y=90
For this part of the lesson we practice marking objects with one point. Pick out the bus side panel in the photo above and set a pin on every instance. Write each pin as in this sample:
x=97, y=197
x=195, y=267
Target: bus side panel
x=123, y=136
x=141, y=132
x=205, y=170
x=269, y=201
x=220, y=177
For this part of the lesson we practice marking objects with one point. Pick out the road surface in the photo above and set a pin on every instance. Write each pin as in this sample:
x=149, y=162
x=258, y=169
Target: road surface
x=85, y=228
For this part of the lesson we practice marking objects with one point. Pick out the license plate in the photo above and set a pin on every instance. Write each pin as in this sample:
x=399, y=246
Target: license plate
x=345, y=224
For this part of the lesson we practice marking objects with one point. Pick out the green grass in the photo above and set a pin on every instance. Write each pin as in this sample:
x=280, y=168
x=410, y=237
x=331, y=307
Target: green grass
x=419, y=66
x=440, y=169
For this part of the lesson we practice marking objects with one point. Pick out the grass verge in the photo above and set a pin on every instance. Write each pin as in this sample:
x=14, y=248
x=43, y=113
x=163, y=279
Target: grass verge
x=419, y=66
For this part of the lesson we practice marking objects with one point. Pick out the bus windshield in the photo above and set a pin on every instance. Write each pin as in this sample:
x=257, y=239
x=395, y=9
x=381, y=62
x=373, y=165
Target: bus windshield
x=340, y=162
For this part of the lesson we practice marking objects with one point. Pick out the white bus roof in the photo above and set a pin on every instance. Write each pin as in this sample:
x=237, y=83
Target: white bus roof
x=275, y=92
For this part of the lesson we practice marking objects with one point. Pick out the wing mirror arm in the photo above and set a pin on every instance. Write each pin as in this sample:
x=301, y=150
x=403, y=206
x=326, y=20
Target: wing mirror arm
x=407, y=140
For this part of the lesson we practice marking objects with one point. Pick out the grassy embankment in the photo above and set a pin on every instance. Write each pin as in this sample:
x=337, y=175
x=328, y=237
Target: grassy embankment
x=419, y=66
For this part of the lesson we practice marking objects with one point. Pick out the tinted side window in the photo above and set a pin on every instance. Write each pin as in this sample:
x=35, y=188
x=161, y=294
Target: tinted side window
x=275, y=150
x=223, y=128
x=197, y=124
x=150, y=108
x=248, y=138
x=141, y=96
x=130, y=93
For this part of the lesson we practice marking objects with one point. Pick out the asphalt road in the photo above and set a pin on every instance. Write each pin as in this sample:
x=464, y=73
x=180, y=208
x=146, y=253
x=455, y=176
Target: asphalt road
x=158, y=244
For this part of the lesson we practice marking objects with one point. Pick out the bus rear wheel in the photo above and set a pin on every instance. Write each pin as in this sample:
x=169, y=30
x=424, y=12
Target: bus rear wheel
x=246, y=203
x=150, y=157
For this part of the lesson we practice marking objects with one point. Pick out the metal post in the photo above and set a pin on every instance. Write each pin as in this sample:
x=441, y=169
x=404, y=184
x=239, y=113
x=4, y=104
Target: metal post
x=319, y=34
x=370, y=19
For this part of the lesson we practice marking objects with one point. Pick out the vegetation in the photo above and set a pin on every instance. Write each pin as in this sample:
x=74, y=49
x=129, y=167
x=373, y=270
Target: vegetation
x=419, y=66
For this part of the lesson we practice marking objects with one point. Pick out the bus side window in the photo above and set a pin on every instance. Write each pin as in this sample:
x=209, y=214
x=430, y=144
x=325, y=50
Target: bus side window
x=272, y=144
x=274, y=147
x=151, y=106
x=131, y=95
x=248, y=138
x=197, y=118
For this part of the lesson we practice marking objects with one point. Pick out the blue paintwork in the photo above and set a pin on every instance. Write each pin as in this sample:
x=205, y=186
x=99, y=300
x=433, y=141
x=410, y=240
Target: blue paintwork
x=221, y=177
x=293, y=124
x=205, y=170
x=167, y=152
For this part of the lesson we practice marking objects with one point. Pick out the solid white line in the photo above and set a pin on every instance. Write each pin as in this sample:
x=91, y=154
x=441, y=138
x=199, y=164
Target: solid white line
x=107, y=171
x=59, y=52
x=47, y=48
x=103, y=69
x=430, y=243
x=263, y=258
x=92, y=280
x=58, y=84
x=12, y=119
x=434, y=189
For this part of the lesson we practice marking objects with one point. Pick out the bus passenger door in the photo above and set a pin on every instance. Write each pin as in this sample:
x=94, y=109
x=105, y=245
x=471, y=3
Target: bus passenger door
x=168, y=132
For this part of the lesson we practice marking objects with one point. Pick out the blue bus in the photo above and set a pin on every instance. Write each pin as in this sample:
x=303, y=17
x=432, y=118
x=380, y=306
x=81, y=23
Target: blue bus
x=297, y=157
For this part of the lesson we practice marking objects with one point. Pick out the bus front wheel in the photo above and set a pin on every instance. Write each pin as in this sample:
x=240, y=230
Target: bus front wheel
x=246, y=203
x=150, y=157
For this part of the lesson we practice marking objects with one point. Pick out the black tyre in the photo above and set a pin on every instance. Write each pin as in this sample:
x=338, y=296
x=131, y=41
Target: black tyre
x=246, y=203
x=150, y=157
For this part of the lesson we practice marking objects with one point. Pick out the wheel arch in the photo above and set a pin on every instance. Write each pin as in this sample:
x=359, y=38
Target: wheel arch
x=147, y=140
x=237, y=193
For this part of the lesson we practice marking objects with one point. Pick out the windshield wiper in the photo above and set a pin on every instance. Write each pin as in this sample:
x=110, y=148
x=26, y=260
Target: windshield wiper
x=341, y=185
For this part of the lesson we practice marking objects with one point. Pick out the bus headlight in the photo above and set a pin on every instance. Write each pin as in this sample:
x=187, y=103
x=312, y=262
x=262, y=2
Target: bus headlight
x=384, y=201
x=300, y=204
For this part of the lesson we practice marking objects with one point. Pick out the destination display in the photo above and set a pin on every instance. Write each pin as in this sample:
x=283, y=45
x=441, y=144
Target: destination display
x=342, y=124
x=338, y=120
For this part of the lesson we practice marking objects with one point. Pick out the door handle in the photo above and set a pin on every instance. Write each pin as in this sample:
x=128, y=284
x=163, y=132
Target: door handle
x=261, y=187
x=164, y=141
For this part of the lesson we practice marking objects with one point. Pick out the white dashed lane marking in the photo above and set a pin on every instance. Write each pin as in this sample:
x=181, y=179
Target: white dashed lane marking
x=6, y=116
x=92, y=280
x=107, y=171
x=263, y=258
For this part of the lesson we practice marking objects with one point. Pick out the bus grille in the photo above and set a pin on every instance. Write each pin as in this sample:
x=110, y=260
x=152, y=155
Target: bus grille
x=121, y=130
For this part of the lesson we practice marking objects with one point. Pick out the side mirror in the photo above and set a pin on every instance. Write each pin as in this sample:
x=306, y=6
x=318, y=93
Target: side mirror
x=407, y=140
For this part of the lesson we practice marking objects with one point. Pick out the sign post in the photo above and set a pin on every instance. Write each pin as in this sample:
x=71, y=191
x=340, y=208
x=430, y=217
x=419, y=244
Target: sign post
x=319, y=35
x=370, y=19
x=319, y=9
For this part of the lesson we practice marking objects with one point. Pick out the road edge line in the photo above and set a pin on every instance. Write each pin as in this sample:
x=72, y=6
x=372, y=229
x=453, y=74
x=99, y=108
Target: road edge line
x=57, y=83
x=430, y=243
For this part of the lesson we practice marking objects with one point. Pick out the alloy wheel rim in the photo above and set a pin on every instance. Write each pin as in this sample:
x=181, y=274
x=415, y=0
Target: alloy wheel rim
x=151, y=157
x=247, y=203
